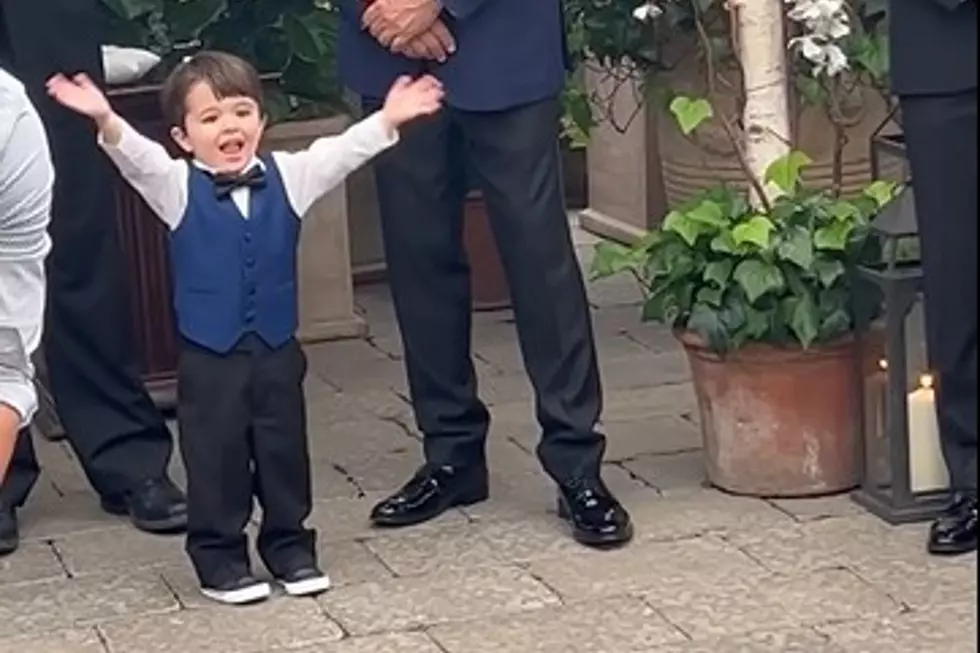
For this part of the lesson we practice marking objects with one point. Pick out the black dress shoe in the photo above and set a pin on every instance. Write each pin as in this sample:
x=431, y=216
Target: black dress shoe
x=155, y=506
x=956, y=531
x=432, y=491
x=9, y=532
x=596, y=517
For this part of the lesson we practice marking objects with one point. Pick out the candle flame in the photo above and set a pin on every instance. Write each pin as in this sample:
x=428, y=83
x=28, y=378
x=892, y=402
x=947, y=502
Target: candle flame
x=883, y=364
x=926, y=381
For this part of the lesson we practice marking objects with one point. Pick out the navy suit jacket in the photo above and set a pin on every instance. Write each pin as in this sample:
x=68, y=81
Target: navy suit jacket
x=508, y=53
x=933, y=46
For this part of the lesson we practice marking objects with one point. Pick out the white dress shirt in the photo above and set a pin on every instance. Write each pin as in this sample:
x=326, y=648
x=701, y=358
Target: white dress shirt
x=307, y=175
x=26, y=180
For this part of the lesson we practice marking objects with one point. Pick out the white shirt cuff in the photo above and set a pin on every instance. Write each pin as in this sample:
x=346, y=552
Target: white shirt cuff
x=22, y=397
x=377, y=132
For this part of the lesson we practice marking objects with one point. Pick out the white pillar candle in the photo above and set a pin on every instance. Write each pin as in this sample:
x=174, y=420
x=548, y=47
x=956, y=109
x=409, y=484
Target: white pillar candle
x=927, y=468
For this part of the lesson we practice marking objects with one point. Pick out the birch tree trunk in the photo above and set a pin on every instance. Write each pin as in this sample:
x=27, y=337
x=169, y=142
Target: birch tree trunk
x=762, y=50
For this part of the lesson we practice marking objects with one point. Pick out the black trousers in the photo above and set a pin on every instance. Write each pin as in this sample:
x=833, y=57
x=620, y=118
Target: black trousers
x=242, y=419
x=513, y=156
x=941, y=136
x=117, y=433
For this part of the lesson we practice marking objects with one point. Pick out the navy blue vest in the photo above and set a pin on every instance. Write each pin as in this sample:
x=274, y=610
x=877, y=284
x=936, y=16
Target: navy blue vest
x=233, y=275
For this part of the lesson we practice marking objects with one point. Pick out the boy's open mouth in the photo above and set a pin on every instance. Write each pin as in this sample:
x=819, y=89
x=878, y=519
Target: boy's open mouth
x=232, y=146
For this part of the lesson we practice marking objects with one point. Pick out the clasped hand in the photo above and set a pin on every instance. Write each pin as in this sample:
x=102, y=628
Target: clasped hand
x=409, y=27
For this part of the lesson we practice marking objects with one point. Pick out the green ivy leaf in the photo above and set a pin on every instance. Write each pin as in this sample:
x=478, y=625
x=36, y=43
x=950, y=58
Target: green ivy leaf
x=844, y=210
x=682, y=225
x=796, y=246
x=609, y=259
x=785, y=171
x=659, y=307
x=828, y=271
x=188, y=19
x=757, y=278
x=756, y=230
x=804, y=318
x=756, y=323
x=833, y=237
x=705, y=321
x=305, y=42
x=837, y=323
x=710, y=295
x=690, y=113
x=811, y=90
x=723, y=243
x=708, y=213
x=667, y=304
x=882, y=192
x=130, y=9
x=718, y=272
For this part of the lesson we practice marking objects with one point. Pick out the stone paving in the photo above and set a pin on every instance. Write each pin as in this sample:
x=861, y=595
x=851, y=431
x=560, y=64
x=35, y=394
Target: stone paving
x=708, y=573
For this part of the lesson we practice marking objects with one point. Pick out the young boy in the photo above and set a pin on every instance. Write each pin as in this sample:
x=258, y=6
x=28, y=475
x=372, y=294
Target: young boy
x=234, y=218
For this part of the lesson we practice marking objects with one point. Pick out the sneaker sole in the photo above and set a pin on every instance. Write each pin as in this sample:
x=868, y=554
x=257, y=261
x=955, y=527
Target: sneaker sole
x=243, y=596
x=307, y=587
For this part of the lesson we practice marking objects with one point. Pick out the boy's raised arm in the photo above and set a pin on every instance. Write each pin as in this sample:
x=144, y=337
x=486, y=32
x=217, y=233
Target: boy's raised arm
x=310, y=174
x=143, y=163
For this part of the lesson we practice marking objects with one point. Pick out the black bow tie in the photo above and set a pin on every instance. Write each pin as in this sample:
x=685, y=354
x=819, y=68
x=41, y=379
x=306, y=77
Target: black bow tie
x=225, y=183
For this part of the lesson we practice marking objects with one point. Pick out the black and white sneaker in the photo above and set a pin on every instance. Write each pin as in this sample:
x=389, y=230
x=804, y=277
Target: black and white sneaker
x=306, y=581
x=239, y=592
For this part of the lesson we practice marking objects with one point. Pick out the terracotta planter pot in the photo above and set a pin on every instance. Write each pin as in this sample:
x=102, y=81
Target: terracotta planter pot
x=487, y=279
x=778, y=422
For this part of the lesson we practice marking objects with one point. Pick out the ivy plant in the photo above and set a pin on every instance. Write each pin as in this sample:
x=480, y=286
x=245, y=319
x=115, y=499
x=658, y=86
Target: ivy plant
x=294, y=40
x=732, y=275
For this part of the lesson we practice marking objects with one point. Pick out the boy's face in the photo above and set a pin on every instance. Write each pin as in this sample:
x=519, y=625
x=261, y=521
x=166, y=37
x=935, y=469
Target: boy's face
x=222, y=134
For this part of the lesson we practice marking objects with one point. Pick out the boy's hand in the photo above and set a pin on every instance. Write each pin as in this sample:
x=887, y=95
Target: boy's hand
x=408, y=99
x=80, y=94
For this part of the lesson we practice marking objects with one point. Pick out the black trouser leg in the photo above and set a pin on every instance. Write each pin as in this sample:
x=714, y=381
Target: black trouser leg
x=515, y=156
x=22, y=473
x=213, y=412
x=421, y=187
x=281, y=457
x=941, y=133
x=110, y=420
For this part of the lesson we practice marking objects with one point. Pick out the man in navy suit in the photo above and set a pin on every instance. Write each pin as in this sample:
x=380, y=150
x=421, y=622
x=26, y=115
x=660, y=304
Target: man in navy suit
x=503, y=64
x=934, y=74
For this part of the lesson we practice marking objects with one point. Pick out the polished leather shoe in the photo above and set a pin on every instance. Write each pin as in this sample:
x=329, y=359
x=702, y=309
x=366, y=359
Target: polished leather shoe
x=9, y=532
x=432, y=491
x=596, y=517
x=955, y=532
x=155, y=506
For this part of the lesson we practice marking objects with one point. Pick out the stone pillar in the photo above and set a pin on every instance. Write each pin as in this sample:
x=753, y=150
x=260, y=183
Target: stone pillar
x=626, y=196
x=326, y=294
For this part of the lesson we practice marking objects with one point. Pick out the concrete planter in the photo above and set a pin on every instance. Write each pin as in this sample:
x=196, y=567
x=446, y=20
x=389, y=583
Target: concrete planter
x=326, y=295
x=625, y=191
x=636, y=176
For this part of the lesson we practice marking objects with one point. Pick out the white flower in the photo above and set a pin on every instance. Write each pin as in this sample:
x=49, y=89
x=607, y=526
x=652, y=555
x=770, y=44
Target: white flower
x=647, y=11
x=825, y=23
x=836, y=60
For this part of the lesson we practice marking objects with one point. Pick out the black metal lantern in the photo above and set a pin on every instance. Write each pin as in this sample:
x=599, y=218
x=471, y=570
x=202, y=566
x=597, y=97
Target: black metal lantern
x=904, y=476
x=888, y=160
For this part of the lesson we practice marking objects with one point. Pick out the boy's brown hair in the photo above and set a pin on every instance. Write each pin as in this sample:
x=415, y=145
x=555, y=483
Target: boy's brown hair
x=226, y=74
